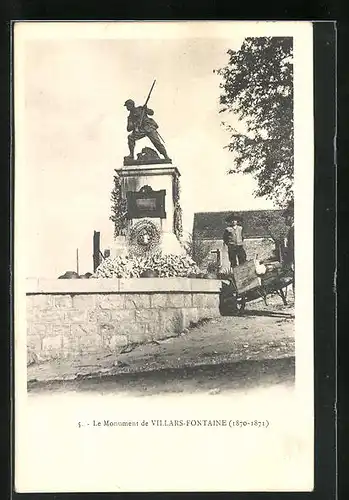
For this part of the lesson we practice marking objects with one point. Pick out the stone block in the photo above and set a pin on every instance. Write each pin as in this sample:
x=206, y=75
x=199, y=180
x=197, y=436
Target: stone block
x=83, y=337
x=106, y=330
x=31, y=314
x=123, y=316
x=109, y=330
x=61, y=329
x=71, y=345
x=42, y=329
x=75, y=316
x=110, y=301
x=114, y=341
x=205, y=300
x=90, y=343
x=34, y=315
x=52, y=343
x=57, y=286
x=146, y=315
x=29, y=300
x=84, y=301
x=161, y=300
x=115, y=328
x=148, y=285
x=83, y=330
x=205, y=285
x=171, y=320
x=137, y=333
x=50, y=315
x=157, y=332
x=189, y=316
x=137, y=300
x=42, y=301
x=98, y=316
x=63, y=301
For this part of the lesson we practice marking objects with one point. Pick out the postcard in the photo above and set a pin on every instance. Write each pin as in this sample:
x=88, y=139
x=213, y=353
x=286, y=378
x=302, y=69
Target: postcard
x=163, y=256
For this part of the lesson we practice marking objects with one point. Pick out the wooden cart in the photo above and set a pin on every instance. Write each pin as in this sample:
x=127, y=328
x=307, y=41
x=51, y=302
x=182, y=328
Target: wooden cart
x=243, y=285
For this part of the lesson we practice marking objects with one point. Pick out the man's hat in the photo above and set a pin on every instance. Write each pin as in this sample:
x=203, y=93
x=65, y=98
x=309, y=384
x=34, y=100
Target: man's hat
x=232, y=217
x=129, y=101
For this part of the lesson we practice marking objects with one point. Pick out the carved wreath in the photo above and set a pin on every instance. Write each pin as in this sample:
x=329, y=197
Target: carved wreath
x=144, y=238
x=118, y=208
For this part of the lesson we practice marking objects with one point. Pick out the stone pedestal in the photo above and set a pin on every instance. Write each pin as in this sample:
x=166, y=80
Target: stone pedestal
x=144, y=231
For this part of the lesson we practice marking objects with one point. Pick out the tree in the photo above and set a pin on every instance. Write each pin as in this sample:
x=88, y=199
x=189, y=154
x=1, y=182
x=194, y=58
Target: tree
x=257, y=86
x=276, y=228
x=198, y=249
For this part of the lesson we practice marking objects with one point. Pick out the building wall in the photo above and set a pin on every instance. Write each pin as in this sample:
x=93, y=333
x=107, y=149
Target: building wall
x=69, y=317
x=263, y=247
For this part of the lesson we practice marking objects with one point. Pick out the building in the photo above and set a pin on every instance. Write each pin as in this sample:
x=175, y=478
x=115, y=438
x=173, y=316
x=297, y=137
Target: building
x=261, y=229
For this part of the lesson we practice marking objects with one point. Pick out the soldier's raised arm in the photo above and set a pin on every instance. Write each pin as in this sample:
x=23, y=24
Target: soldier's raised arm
x=149, y=111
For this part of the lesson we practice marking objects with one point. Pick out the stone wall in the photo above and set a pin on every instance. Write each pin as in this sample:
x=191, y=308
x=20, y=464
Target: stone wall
x=68, y=317
x=262, y=246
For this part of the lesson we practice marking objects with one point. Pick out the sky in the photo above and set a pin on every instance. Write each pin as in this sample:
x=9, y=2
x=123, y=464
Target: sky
x=73, y=135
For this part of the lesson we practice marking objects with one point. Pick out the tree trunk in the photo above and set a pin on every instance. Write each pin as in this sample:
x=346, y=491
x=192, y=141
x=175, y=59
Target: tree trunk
x=279, y=251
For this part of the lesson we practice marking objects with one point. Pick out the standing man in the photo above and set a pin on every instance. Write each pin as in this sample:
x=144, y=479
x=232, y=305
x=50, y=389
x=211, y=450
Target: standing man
x=140, y=126
x=233, y=237
x=289, y=243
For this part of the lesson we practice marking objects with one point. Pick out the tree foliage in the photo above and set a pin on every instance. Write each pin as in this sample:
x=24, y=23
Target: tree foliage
x=276, y=228
x=118, y=208
x=198, y=249
x=257, y=86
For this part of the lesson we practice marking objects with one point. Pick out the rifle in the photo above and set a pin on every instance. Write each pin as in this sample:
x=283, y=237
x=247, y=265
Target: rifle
x=145, y=105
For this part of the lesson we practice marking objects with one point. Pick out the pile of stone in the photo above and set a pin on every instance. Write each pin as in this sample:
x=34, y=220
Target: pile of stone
x=158, y=265
x=72, y=275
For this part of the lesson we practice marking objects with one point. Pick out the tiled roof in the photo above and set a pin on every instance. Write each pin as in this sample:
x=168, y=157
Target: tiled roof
x=210, y=225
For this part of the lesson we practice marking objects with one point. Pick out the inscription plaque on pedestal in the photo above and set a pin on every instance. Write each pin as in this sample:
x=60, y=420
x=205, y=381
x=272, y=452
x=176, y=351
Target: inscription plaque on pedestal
x=146, y=203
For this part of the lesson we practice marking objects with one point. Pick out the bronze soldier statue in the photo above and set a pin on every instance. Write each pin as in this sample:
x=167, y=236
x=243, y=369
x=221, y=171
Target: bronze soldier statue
x=141, y=125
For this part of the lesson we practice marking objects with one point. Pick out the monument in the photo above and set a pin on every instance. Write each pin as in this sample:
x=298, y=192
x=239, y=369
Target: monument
x=146, y=207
